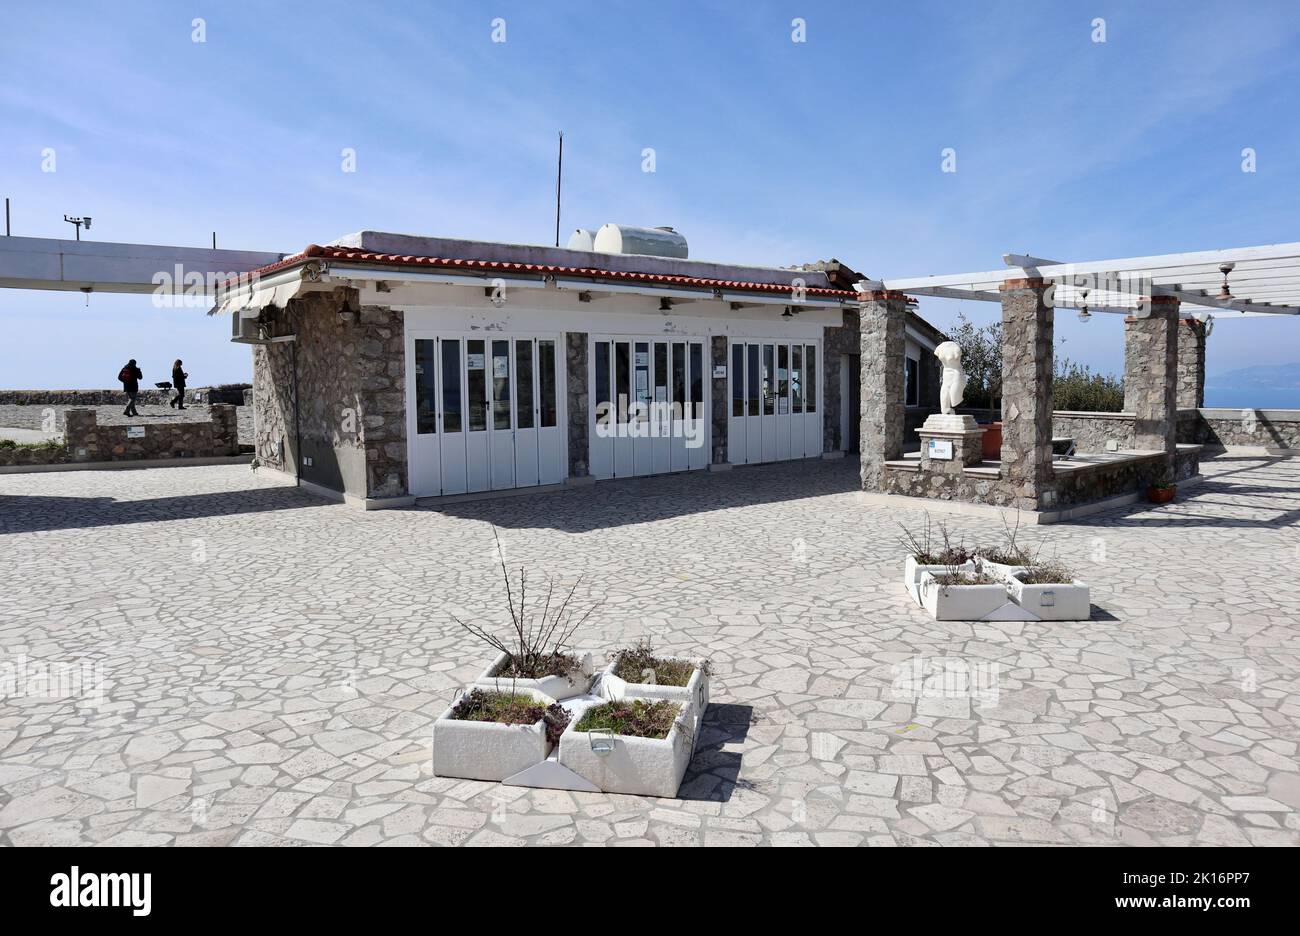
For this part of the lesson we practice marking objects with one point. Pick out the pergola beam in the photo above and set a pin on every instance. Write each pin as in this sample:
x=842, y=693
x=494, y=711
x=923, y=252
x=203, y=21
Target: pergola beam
x=1055, y=268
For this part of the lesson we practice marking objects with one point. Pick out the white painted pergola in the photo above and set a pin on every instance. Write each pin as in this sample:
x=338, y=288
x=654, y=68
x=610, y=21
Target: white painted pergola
x=1260, y=281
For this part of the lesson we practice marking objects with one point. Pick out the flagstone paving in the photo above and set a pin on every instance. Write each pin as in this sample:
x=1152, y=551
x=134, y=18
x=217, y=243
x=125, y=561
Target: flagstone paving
x=271, y=665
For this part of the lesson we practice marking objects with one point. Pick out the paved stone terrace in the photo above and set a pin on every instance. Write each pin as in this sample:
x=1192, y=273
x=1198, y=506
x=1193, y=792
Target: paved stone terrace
x=273, y=664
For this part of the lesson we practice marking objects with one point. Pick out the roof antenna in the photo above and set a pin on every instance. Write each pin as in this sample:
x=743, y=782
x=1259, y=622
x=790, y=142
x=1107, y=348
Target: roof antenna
x=559, y=174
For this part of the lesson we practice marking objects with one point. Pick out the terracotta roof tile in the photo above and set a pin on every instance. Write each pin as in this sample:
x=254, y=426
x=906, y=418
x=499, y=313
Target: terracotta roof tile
x=314, y=251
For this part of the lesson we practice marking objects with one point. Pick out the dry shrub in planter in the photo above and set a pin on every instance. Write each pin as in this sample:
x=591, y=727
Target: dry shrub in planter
x=536, y=654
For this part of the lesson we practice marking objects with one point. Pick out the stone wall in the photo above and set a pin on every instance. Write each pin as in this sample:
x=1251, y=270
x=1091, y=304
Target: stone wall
x=1091, y=431
x=1068, y=489
x=578, y=402
x=42, y=454
x=148, y=396
x=1254, y=428
x=87, y=441
x=351, y=379
x=719, y=405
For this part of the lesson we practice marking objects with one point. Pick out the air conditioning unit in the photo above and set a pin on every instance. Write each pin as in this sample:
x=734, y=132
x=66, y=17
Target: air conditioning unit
x=244, y=329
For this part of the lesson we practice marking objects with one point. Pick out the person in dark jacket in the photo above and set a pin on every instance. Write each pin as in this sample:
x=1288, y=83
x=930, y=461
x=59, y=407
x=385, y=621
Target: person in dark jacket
x=130, y=376
x=178, y=381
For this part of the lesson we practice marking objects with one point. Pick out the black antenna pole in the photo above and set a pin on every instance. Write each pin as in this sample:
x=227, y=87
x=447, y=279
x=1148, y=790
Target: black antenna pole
x=559, y=174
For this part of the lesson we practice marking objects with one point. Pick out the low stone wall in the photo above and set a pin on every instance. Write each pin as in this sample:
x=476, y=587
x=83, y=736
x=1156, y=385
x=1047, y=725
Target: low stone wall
x=151, y=396
x=1228, y=428
x=87, y=441
x=1066, y=489
x=32, y=455
x=1086, y=485
x=1092, y=431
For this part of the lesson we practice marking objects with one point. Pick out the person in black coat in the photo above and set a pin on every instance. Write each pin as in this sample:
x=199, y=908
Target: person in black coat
x=178, y=381
x=130, y=376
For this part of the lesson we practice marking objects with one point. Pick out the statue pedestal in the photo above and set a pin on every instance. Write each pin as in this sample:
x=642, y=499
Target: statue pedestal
x=950, y=443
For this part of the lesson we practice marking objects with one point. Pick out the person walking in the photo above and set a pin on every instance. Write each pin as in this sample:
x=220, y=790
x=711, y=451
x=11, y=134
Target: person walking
x=130, y=376
x=178, y=381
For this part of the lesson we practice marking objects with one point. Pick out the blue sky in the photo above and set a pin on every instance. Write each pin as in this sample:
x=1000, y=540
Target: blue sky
x=767, y=151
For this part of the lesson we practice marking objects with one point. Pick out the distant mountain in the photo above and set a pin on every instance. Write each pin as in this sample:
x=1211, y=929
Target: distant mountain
x=1267, y=386
x=1272, y=376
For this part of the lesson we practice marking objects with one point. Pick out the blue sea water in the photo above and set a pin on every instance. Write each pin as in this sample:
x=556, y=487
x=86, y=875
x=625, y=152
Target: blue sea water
x=1253, y=397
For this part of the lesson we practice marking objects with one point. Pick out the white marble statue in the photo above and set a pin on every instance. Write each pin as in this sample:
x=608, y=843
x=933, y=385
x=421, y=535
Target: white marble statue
x=952, y=387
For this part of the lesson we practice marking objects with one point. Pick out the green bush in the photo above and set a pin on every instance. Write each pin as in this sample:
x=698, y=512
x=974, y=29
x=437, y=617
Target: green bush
x=1075, y=387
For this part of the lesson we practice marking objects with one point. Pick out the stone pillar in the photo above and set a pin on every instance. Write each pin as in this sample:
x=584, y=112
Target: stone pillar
x=1027, y=392
x=719, y=402
x=225, y=429
x=575, y=345
x=883, y=317
x=81, y=434
x=1150, y=374
x=1191, y=364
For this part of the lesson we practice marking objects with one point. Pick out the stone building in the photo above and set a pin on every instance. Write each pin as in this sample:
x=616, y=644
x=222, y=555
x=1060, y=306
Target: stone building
x=391, y=367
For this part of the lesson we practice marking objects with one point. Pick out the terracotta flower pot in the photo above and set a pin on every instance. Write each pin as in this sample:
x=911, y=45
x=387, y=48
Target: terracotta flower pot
x=1161, y=495
x=992, y=441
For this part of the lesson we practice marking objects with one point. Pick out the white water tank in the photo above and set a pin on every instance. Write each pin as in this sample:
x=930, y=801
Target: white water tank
x=581, y=239
x=653, y=242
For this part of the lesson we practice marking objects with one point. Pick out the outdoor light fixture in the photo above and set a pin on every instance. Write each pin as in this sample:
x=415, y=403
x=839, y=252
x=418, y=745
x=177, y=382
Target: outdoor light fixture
x=1084, y=314
x=77, y=223
x=1225, y=269
x=601, y=741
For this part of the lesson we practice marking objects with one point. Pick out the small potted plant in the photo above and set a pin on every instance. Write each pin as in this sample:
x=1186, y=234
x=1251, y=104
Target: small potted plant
x=536, y=656
x=961, y=594
x=1161, y=492
x=488, y=734
x=641, y=747
x=1050, y=591
x=927, y=552
x=638, y=672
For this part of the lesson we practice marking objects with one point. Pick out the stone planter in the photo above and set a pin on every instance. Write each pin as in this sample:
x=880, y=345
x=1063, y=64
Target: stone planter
x=635, y=766
x=998, y=569
x=912, y=571
x=1054, y=602
x=557, y=687
x=474, y=750
x=696, y=690
x=960, y=602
